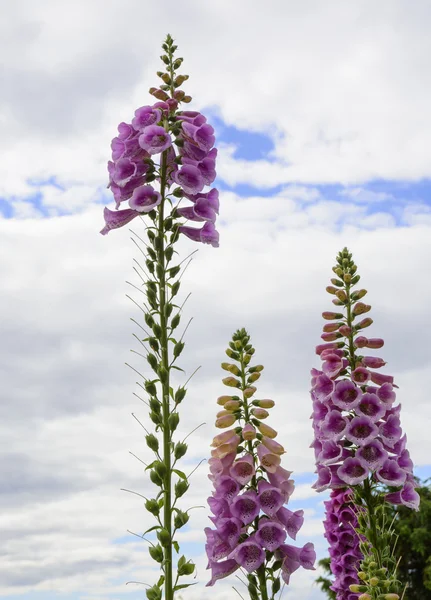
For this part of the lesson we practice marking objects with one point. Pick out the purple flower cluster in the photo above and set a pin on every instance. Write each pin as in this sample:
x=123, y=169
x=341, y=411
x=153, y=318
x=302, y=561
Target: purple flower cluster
x=133, y=168
x=357, y=428
x=252, y=496
x=340, y=524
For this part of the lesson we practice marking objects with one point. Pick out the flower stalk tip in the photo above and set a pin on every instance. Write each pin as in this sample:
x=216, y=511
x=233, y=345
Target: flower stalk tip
x=251, y=523
x=359, y=444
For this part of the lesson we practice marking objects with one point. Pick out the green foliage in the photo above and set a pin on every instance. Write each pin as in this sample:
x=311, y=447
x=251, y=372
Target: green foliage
x=414, y=546
x=324, y=580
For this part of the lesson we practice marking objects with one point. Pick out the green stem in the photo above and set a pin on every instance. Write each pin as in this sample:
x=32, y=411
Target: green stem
x=167, y=508
x=374, y=536
x=352, y=357
x=262, y=582
x=247, y=418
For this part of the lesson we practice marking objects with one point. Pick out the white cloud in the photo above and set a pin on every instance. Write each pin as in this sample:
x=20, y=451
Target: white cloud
x=343, y=90
x=66, y=419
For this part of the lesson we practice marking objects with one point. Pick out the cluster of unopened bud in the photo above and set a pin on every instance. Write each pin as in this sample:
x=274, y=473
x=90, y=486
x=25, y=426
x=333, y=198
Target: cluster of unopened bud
x=171, y=81
x=242, y=377
x=373, y=578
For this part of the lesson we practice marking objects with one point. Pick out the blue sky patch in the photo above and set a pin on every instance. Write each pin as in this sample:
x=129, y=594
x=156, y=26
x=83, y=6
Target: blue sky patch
x=251, y=145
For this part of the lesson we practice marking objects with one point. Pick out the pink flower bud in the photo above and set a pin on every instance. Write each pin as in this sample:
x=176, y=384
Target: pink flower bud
x=373, y=362
x=345, y=330
x=321, y=347
x=330, y=337
x=329, y=327
x=380, y=379
x=364, y=323
x=225, y=421
x=331, y=315
x=248, y=432
x=267, y=430
x=361, y=341
x=231, y=382
x=360, y=308
x=221, y=400
x=266, y=403
x=253, y=377
x=249, y=391
x=259, y=413
x=232, y=405
x=375, y=343
x=273, y=446
x=231, y=368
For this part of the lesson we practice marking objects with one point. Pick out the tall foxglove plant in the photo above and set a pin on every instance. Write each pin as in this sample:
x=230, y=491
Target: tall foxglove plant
x=359, y=444
x=164, y=154
x=251, y=488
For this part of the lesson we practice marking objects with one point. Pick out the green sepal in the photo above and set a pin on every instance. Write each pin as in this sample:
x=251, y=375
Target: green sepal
x=178, y=348
x=150, y=387
x=154, y=593
x=173, y=420
x=168, y=310
x=152, y=442
x=180, y=519
x=153, y=362
x=157, y=330
x=175, y=288
x=169, y=252
x=152, y=506
x=156, y=479
x=155, y=405
x=186, y=569
x=156, y=418
x=156, y=553
x=174, y=271
x=160, y=469
x=180, y=450
x=181, y=488
x=149, y=319
x=164, y=537
x=150, y=265
x=180, y=395
x=151, y=253
x=175, y=321
x=154, y=344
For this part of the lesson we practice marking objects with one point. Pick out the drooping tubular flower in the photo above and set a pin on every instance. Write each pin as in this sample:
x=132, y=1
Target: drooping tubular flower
x=359, y=443
x=165, y=154
x=251, y=488
x=345, y=554
x=163, y=146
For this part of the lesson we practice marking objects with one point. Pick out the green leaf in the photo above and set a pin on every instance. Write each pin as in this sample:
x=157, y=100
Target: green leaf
x=151, y=529
x=275, y=586
x=183, y=586
x=180, y=474
x=176, y=545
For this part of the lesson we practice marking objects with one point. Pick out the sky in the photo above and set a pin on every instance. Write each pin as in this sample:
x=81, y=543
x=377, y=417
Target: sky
x=321, y=112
